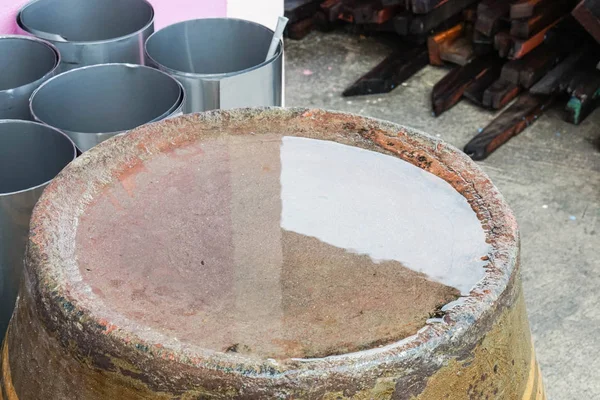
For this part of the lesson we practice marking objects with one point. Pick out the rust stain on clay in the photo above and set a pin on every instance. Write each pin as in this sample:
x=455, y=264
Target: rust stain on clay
x=171, y=264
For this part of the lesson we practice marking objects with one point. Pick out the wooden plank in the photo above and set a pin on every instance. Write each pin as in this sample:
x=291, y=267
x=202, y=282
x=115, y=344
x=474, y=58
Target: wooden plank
x=499, y=94
x=525, y=28
x=297, y=10
x=538, y=66
x=490, y=14
x=550, y=83
x=475, y=90
x=298, y=30
x=503, y=43
x=331, y=9
x=424, y=23
x=444, y=26
x=511, y=71
x=588, y=14
x=366, y=12
x=435, y=42
x=529, y=69
x=525, y=8
x=391, y=72
x=521, y=47
x=326, y=19
x=459, y=51
x=448, y=91
x=425, y=6
x=510, y=123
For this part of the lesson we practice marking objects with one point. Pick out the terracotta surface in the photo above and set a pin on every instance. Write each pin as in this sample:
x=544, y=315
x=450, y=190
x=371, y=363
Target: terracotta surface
x=71, y=325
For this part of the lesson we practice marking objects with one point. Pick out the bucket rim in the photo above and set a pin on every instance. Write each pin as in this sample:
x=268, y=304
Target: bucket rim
x=149, y=24
x=178, y=104
x=218, y=76
x=47, y=75
x=56, y=131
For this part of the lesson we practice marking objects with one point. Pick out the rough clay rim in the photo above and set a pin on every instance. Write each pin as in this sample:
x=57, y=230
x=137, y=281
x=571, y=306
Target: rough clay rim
x=48, y=251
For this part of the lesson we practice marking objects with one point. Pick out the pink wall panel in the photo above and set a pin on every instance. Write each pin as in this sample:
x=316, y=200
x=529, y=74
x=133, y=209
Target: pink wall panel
x=167, y=11
x=8, y=10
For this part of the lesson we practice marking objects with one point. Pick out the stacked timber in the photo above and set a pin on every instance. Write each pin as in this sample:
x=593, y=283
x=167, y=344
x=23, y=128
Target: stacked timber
x=519, y=56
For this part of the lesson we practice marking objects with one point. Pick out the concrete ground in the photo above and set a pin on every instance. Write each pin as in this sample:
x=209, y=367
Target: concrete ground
x=550, y=175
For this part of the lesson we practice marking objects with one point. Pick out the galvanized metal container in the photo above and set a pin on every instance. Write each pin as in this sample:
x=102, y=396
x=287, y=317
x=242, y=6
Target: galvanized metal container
x=221, y=62
x=31, y=154
x=27, y=62
x=92, y=31
x=95, y=103
x=164, y=264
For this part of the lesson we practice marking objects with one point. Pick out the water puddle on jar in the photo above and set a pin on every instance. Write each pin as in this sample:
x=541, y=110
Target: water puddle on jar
x=280, y=246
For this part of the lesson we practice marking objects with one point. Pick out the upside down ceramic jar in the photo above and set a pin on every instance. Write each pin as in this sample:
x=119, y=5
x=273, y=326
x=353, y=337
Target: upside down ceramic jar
x=271, y=254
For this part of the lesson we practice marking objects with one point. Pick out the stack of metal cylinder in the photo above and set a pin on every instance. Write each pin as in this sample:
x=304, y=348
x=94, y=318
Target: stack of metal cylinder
x=83, y=72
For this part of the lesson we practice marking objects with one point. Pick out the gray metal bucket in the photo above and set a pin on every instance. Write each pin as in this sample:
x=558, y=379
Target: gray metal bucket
x=26, y=63
x=31, y=154
x=220, y=62
x=92, y=31
x=93, y=104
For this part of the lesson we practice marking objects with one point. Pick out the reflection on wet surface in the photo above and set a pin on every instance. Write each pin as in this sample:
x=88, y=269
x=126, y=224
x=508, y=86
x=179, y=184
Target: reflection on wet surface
x=280, y=246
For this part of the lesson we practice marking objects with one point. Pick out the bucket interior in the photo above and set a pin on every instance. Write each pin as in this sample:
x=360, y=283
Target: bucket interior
x=24, y=61
x=210, y=46
x=89, y=20
x=31, y=154
x=104, y=99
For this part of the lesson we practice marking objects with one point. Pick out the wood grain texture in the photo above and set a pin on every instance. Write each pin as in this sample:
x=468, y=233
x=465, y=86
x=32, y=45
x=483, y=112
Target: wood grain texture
x=525, y=8
x=550, y=83
x=510, y=123
x=499, y=94
x=391, y=72
x=529, y=69
x=490, y=15
x=435, y=42
x=297, y=10
x=476, y=89
x=298, y=30
x=459, y=51
x=587, y=13
x=521, y=47
x=426, y=22
x=525, y=28
x=449, y=90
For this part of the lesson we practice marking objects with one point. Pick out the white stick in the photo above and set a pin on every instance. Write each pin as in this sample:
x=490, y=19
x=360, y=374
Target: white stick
x=281, y=23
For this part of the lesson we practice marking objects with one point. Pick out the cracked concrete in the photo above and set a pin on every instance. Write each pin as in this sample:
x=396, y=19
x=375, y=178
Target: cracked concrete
x=550, y=175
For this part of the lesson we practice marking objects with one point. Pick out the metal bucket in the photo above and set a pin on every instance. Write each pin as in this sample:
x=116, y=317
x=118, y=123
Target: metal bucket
x=31, y=154
x=95, y=103
x=92, y=31
x=25, y=64
x=220, y=62
x=272, y=254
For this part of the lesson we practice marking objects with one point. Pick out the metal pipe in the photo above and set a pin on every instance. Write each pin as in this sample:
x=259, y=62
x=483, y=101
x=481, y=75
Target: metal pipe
x=95, y=103
x=26, y=63
x=220, y=62
x=91, y=32
x=31, y=154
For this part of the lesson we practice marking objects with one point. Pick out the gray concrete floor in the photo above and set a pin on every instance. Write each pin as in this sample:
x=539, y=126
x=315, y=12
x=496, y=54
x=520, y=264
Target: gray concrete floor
x=550, y=175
